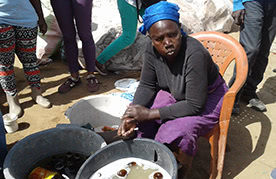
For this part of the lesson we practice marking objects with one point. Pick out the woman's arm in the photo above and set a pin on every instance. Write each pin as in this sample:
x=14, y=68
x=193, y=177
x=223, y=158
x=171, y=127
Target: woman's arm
x=141, y=113
x=147, y=88
x=41, y=21
x=144, y=96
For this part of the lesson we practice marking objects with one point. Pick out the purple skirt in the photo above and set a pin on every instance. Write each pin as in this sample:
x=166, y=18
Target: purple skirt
x=185, y=131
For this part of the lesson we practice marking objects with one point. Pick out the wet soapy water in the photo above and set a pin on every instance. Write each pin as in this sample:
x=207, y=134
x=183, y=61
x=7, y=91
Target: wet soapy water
x=131, y=168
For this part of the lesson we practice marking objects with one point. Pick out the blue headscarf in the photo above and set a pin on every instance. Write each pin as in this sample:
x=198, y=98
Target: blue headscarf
x=162, y=10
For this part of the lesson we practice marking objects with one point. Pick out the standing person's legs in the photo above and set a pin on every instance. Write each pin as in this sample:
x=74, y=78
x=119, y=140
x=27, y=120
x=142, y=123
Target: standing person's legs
x=251, y=31
x=7, y=44
x=82, y=12
x=64, y=14
x=268, y=35
x=25, y=49
x=128, y=15
x=250, y=39
x=257, y=68
x=7, y=77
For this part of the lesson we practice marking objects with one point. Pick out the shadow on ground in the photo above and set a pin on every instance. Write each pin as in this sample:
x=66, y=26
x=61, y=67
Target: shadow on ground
x=61, y=99
x=50, y=83
x=241, y=151
x=268, y=91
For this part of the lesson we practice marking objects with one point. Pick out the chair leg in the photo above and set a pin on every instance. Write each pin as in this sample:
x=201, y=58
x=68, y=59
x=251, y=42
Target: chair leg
x=213, y=140
x=221, y=156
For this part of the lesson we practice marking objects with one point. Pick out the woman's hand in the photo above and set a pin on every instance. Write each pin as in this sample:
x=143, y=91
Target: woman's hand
x=42, y=25
x=133, y=115
x=239, y=16
x=41, y=21
x=137, y=112
x=127, y=127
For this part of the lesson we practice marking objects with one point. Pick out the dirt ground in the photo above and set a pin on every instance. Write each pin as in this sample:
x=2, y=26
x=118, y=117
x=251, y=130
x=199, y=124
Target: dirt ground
x=251, y=140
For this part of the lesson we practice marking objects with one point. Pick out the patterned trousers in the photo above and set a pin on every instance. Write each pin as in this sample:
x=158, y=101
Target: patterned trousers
x=22, y=42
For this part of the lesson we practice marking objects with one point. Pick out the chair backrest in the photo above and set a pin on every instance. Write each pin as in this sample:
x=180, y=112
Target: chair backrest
x=224, y=49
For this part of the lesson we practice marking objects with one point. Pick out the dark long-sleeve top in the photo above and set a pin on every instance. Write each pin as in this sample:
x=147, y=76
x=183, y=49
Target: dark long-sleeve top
x=187, y=79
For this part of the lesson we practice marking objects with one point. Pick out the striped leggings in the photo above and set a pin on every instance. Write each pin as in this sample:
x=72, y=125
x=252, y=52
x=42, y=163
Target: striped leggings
x=22, y=42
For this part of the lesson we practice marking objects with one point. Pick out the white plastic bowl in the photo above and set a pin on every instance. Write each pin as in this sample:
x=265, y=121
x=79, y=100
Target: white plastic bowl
x=97, y=110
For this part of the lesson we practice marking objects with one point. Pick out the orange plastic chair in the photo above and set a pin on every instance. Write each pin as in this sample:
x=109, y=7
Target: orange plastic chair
x=224, y=49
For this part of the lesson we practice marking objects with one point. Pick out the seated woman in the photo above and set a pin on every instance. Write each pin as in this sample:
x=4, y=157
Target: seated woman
x=180, y=92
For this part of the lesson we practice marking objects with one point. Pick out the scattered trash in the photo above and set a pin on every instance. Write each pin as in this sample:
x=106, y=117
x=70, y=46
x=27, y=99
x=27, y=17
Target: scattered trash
x=10, y=123
x=125, y=84
x=128, y=96
x=88, y=126
x=44, y=61
x=129, y=85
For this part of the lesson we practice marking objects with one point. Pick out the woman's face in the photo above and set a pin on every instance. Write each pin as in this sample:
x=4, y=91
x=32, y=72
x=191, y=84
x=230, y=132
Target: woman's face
x=166, y=38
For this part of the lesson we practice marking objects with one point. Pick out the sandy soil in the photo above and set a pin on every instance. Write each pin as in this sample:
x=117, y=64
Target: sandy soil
x=251, y=140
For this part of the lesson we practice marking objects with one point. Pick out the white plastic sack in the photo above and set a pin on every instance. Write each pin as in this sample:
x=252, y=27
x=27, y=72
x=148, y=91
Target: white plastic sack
x=205, y=15
x=48, y=44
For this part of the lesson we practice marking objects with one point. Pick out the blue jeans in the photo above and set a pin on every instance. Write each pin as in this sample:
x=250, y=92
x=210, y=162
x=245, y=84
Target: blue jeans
x=256, y=36
x=3, y=145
